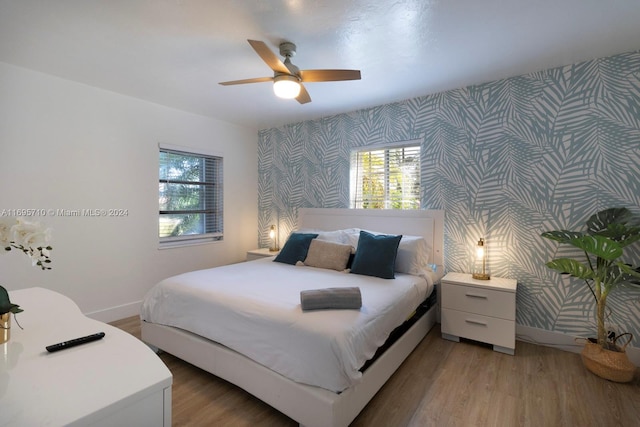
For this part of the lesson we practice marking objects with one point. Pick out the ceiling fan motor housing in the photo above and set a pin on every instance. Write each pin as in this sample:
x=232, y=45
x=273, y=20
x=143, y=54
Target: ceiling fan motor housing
x=287, y=49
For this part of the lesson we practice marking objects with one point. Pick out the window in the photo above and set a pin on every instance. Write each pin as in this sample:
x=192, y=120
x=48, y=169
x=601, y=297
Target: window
x=190, y=196
x=386, y=177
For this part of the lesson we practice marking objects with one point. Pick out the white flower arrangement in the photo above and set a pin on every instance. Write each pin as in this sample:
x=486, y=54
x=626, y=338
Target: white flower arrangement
x=33, y=240
x=29, y=237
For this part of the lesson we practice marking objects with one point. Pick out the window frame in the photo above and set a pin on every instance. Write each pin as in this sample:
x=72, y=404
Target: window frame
x=202, y=238
x=356, y=199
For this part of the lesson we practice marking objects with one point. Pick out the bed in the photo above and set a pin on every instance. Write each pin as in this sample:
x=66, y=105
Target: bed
x=245, y=323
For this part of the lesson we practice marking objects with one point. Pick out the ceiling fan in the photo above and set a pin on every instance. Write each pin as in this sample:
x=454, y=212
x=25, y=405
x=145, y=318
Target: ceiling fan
x=287, y=78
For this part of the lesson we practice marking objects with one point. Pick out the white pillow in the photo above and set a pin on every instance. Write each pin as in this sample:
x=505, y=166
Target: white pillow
x=336, y=236
x=413, y=255
x=413, y=252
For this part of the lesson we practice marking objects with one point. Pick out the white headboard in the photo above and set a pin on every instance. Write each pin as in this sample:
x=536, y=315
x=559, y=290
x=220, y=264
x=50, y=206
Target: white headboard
x=426, y=223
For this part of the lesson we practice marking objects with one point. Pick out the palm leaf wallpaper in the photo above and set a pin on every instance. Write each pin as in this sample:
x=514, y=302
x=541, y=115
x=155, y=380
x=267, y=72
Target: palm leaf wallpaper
x=506, y=160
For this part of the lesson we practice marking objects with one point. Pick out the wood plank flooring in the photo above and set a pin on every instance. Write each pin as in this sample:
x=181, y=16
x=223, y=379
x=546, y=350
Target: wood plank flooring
x=441, y=383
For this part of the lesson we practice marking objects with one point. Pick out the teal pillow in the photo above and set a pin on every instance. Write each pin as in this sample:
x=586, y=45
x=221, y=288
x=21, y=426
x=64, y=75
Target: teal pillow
x=376, y=255
x=296, y=248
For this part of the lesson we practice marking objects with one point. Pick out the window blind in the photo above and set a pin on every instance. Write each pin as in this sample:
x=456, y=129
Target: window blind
x=386, y=178
x=190, y=196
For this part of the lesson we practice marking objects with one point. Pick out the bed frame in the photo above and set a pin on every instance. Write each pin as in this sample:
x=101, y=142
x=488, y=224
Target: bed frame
x=308, y=405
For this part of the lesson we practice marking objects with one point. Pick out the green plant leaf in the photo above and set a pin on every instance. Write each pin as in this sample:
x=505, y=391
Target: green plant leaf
x=618, y=224
x=572, y=267
x=561, y=236
x=621, y=233
x=628, y=274
x=601, y=220
x=5, y=304
x=600, y=246
x=15, y=308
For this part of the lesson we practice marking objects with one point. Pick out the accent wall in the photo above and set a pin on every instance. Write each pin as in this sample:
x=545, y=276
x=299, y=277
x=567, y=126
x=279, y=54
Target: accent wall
x=506, y=160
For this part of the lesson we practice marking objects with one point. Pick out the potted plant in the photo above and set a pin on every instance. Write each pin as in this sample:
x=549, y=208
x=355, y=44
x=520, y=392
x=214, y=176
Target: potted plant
x=6, y=308
x=5, y=304
x=602, y=268
x=32, y=239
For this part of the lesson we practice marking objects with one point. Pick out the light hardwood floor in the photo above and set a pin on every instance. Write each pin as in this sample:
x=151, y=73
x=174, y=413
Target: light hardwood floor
x=441, y=383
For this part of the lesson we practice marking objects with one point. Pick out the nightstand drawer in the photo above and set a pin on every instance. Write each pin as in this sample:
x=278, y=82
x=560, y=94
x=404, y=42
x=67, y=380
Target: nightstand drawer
x=488, y=302
x=480, y=328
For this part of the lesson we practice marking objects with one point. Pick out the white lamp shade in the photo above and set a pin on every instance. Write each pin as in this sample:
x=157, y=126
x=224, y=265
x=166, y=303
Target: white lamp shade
x=286, y=87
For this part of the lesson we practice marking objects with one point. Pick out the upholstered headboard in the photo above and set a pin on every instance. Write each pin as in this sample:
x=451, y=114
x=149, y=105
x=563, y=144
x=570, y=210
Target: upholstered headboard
x=426, y=223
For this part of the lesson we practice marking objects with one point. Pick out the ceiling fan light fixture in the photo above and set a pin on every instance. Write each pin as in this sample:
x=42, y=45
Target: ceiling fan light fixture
x=287, y=78
x=285, y=86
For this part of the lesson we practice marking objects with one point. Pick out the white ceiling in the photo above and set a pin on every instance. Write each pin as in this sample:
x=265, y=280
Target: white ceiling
x=174, y=52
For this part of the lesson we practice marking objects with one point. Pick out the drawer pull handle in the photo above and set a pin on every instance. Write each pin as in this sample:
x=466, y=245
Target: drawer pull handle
x=476, y=295
x=475, y=322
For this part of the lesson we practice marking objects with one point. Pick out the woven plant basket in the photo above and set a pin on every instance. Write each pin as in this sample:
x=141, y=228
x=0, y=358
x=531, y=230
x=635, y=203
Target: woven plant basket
x=609, y=364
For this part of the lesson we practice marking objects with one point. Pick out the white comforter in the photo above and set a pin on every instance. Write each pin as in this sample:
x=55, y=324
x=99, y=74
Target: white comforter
x=254, y=309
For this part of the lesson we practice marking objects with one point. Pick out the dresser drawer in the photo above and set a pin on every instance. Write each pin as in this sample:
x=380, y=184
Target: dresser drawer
x=488, y=302
x=487, y=329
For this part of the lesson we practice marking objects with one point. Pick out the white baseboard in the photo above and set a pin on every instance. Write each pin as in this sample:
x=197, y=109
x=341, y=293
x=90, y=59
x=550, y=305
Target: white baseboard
x=562, y=341
x=116, y=313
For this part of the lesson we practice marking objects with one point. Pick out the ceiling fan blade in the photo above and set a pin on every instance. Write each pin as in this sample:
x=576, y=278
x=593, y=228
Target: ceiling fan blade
x=269, y=57
x=303, y=97
x=329, y=75
x=241, y=82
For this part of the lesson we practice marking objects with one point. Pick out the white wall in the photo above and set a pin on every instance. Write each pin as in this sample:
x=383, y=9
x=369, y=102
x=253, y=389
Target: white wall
x=65, y=145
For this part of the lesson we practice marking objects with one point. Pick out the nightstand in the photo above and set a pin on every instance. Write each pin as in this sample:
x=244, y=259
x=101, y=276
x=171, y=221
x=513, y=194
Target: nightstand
x=260, y=253
x=481, y=310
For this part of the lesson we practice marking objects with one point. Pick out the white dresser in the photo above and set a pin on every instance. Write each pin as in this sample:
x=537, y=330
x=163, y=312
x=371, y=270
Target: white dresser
x=481, y=310
x=116, y=381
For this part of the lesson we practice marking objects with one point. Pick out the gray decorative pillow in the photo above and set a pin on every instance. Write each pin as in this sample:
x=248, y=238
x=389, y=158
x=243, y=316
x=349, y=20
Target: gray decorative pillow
x=323, y=254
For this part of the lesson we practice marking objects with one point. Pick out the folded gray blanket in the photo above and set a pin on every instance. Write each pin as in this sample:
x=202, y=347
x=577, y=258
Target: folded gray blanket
x=331, y=298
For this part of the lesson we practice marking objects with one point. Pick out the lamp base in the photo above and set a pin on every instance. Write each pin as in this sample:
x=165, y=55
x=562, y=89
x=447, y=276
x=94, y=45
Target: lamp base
x=274, y=249
x=481, y=276
x=5, y=327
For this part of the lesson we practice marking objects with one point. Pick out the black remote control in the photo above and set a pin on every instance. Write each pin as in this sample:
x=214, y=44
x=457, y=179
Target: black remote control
x=74, y=342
